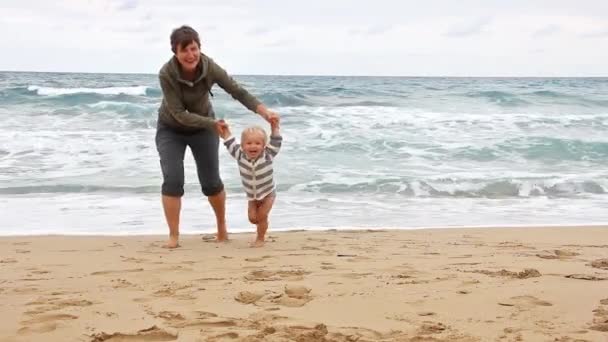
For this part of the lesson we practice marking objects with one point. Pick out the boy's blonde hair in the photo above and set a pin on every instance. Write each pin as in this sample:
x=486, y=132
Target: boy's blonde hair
x=254, y=130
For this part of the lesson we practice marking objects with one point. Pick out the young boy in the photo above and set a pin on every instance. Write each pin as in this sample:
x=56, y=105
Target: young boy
x=254, y=156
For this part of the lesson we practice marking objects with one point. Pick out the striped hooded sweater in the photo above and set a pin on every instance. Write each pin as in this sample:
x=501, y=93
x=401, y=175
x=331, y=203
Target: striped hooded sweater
x=256, y=175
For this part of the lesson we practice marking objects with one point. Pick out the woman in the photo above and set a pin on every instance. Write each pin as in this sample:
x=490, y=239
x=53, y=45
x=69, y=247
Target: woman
x=186, y=118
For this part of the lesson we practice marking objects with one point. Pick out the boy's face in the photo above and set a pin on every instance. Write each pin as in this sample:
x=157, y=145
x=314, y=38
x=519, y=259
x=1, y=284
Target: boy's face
x=253, y=144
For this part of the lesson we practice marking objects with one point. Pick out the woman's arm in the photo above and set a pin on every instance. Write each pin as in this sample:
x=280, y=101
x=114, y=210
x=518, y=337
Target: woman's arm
x=232, y=87
x=276, y=140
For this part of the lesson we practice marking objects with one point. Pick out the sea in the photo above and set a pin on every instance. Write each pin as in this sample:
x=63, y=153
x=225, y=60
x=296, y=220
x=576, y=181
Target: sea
x=77, y=153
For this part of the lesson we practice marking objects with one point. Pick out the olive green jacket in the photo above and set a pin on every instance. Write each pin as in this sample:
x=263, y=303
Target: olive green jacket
x=186, y=104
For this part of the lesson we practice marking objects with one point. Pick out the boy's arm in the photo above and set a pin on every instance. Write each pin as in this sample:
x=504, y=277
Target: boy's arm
x=233, y=147
x=276, y=140
x=230, y=142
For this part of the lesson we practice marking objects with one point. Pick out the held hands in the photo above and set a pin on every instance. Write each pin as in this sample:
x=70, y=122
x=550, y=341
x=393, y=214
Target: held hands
x=273, y=118
x=275, y=127
x=222, y=129
x=268, y=114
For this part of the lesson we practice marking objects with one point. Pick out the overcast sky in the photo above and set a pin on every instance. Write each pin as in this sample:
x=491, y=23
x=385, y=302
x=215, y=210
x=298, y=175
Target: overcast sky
x=313, y=37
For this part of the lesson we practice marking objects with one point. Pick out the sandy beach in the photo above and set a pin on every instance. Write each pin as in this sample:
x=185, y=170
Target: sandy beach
x=498, y=284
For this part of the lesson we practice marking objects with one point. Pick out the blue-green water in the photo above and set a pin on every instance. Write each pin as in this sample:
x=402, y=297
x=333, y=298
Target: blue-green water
x=77, y=153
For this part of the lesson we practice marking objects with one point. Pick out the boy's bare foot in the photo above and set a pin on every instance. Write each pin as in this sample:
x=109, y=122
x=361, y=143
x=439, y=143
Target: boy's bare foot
x=172, y=243
x=257, y=243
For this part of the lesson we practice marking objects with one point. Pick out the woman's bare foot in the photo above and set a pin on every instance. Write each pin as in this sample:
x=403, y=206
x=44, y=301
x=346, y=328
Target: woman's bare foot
x=172, y=243
x=222, y=233
x=257, y=243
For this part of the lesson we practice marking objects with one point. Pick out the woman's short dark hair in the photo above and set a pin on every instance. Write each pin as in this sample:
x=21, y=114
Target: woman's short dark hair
x=184, y=36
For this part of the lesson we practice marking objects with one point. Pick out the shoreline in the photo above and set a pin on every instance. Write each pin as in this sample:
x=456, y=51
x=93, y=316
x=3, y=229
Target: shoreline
x=321, y=229
x=451, y=284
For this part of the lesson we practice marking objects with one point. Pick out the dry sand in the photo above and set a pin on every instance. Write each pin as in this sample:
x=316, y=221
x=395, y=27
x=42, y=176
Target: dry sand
x=499, y=284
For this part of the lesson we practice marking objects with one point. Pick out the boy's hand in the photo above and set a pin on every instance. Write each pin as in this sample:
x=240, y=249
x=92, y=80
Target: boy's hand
x=275, y=127
x=274, y=121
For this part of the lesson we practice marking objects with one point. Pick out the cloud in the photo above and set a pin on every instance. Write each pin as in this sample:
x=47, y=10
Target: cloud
x=279, y=43
x=595, y=34
x=548, y=30
x=468, y=29
x=372, y=30
x=127, y=5
x=348, y=37
x=538, y=51
x=259, y=30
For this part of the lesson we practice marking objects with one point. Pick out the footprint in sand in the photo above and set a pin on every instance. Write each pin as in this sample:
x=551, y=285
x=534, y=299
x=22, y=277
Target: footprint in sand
x=513, y=333
x=258, y=259
x=208, y=279
x=355, y=275
x=40, y=272
x=527, y=273
x=197, y=319
x=37, y=329
x=465, y=256
x=327, y=266
x=108, y=314
x=557, y=254
x=26, y=289
x=525, y=302
x=8, y=261
x=133, y=260
x=600, y=317
x=43, y=323
x=123, y=284
x=117, y=271
x=170, y=316
x=317, y=239
x=153, y=333
x=293, y=296
x=310, y=248
x=511, y=244
x=223, y=337
x=46, y=304
x=600, y=263
x=49, y=318
x=264, y=275
x=592, y=277
x=428, y=328
x=21, y=243
x=171, y=289
x=247, y=297
x=34, y=279
x=208, y=237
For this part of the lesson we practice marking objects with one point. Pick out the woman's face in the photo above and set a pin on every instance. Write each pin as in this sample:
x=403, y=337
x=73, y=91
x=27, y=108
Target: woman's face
x=188, y=56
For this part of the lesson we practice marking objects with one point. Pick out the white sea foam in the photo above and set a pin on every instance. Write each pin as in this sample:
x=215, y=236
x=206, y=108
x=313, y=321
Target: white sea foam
x=50, y=91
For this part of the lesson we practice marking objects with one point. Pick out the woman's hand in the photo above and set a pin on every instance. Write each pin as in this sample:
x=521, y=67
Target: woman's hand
x=268, y=114
x=222, y=129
